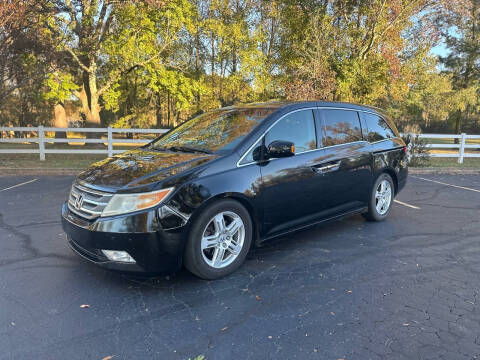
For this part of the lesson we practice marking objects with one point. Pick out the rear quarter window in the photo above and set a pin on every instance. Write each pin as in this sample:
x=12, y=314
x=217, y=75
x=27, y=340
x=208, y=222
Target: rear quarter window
x=378, y=129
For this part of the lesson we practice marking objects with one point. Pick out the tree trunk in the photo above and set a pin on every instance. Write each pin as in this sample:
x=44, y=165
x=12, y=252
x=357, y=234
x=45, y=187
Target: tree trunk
x=197, y=64
x=212, y=60
x=168, y=109
x=90, y=105
x=458, y=124
x=60, y=120
x=158, y=110
x=94, y=108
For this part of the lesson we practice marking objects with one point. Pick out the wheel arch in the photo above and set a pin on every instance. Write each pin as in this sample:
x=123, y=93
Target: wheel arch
x=394, y=177
x=243, y=200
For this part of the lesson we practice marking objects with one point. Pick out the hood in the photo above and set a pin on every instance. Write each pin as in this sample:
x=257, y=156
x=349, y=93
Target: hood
x=141, y=167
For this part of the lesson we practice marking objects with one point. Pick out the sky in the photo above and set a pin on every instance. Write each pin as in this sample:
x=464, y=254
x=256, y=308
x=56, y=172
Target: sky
x=440, y=50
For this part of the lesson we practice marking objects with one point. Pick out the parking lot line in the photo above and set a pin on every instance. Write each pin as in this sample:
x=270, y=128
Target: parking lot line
x=405, y=204
x=14, y=186
x=442, y=183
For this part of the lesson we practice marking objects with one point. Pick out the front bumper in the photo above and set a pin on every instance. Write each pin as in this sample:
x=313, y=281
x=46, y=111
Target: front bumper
x=154, y=249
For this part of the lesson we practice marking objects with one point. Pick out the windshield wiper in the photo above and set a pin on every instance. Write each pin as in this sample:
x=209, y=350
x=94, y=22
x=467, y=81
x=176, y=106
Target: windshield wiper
x=189, y=149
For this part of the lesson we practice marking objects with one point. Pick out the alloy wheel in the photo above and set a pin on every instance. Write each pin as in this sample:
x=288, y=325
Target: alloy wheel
x=383, y=197
x=222, y=239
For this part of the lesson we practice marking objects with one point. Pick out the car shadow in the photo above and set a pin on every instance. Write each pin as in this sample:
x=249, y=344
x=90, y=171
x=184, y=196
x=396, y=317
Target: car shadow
x=283, y=253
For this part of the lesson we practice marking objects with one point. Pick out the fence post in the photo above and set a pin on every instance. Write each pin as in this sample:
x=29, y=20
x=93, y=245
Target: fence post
x=110, y=143
x=462, y=148
x=41, y=143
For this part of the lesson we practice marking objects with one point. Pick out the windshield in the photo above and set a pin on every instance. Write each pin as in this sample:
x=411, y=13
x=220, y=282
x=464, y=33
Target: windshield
x=218, y=130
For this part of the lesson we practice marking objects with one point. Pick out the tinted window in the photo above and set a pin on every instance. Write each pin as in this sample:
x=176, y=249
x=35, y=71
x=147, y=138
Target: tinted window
x=297, y=127
x=377, y=128
x=340, y=127
x=216, y=130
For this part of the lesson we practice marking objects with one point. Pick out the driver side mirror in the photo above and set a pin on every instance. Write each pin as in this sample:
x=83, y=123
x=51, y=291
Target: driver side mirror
x=280, y=149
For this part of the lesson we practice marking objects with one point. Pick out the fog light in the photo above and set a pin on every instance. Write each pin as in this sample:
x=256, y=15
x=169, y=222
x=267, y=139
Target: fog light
x=120, y=256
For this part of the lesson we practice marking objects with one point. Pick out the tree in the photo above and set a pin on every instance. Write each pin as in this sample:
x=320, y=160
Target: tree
x=24, y=47
x=155, y=56
x=463, y=62
x=105, y=40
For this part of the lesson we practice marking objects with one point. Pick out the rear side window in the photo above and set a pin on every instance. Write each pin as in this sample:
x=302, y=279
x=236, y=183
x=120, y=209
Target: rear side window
x=340, y=127
x=297, y=127
x=378, y=129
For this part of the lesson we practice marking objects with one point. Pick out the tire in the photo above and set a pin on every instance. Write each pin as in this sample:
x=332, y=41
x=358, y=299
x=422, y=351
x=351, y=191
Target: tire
x=211, y=252
x=376, y=213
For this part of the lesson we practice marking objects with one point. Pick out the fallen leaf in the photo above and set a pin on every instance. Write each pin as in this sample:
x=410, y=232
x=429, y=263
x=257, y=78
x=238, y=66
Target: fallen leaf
x=258, y=297
x=12, y=323
x=225, y=328
x=332, y=313
x=84, y=306
x=109, y=357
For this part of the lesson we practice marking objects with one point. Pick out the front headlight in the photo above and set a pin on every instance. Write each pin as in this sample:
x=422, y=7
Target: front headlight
x=127, y=203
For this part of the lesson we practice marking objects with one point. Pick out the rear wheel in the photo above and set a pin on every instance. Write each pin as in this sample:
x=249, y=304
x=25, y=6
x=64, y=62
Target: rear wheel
x=381, y=198
x=219, y=240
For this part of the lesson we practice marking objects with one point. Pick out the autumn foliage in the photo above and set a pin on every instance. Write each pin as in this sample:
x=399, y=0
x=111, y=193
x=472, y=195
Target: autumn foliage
x=158, y=62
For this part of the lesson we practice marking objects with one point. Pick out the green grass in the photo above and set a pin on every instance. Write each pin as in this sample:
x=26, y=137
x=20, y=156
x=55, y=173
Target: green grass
x=65, y=146
x=450, y=141
x=52, y=161
x=453, y=162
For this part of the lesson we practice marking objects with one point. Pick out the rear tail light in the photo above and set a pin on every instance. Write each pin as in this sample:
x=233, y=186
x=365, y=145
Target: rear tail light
x=405, y=150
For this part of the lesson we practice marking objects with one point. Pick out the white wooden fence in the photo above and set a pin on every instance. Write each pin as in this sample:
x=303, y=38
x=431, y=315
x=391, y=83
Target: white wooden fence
x=461, y=146
x=41, y=140
x=110, y=141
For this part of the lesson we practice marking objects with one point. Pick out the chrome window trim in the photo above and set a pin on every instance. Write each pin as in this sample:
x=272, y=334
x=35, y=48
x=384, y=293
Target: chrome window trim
x=387, y=150
x=321, y=148
x=379, y=141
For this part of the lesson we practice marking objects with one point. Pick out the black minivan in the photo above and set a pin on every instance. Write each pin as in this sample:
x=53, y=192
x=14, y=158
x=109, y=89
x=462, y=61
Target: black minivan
x=207, y=191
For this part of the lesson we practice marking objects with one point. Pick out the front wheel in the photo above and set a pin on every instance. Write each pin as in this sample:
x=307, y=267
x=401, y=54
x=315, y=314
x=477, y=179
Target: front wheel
x=219, y=240
x=381, y=198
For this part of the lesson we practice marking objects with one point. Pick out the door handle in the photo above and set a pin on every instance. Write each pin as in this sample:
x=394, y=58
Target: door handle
x=326, y=167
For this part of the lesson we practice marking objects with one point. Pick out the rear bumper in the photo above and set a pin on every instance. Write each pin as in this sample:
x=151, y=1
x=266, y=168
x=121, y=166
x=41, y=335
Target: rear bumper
x=154, y=249
x=402, y=178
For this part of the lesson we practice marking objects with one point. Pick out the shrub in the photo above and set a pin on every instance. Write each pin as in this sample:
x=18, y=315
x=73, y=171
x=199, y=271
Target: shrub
x=418, y=152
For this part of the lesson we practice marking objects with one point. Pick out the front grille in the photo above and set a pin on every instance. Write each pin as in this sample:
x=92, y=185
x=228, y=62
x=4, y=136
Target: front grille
x=91, y=204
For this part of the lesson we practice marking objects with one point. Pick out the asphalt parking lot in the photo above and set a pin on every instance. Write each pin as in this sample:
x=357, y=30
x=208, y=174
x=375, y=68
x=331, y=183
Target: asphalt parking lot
x=406, y=288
